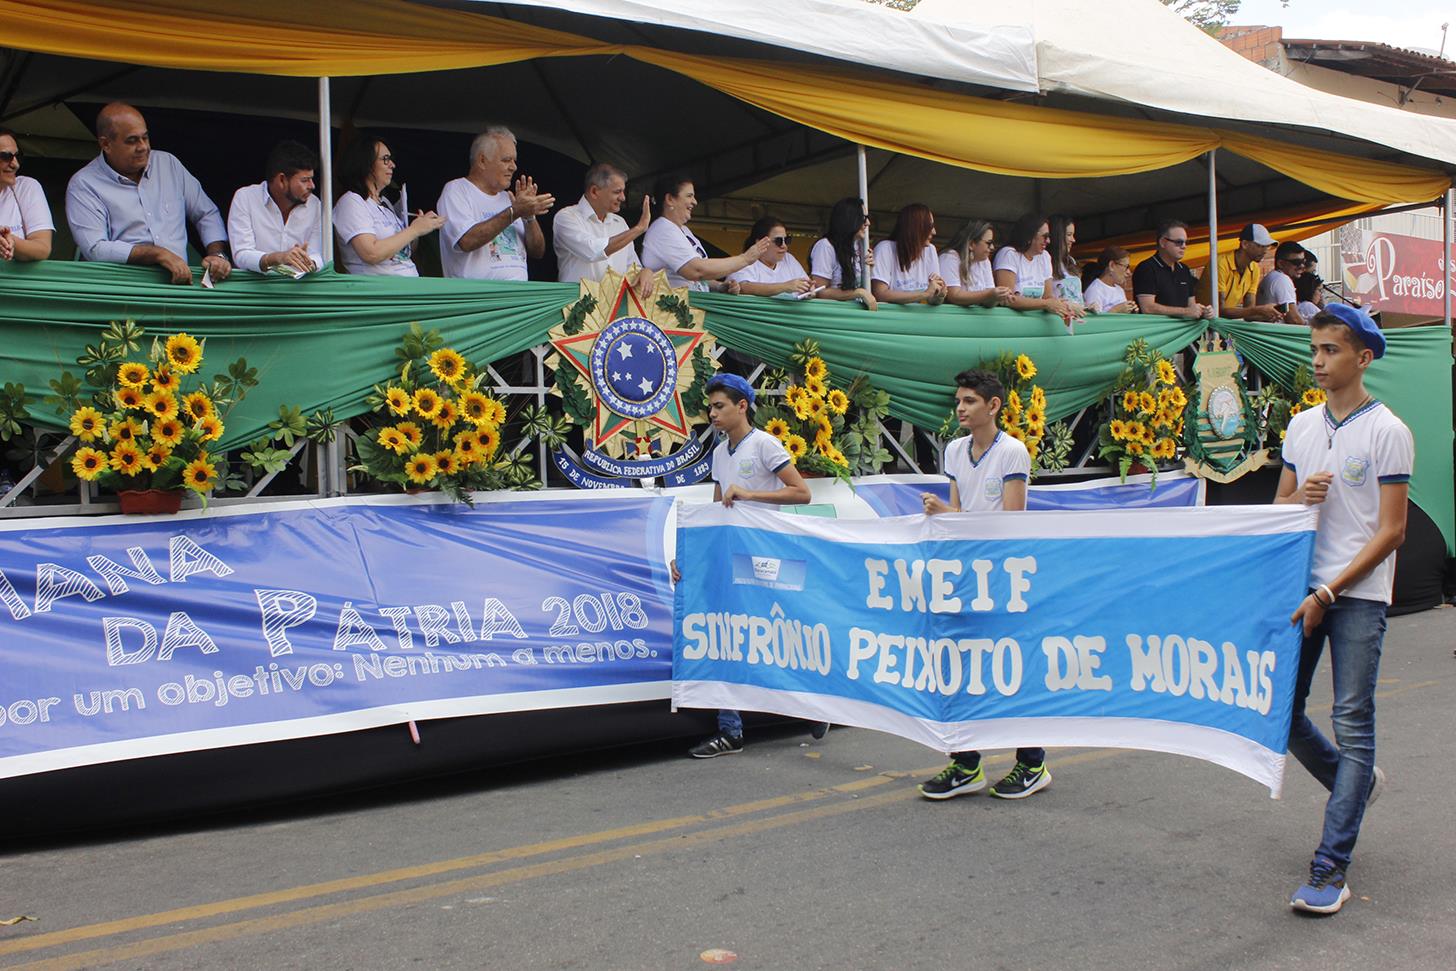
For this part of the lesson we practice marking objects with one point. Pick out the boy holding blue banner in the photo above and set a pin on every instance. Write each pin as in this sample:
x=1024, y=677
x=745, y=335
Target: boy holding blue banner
x=753, y=467
x=1353, y=458
x=988, y=472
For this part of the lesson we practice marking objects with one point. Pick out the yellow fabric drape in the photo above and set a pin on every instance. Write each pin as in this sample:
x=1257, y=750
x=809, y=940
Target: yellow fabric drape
x=370, y=37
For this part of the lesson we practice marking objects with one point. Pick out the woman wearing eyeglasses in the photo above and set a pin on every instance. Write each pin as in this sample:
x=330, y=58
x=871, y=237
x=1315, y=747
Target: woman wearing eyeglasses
x=26, y=227
x=1025, y=267
x=1104, y=282
x=669, y=244
x=373, y=237
x=906, y=267
x=777, y=271
x=834, y=261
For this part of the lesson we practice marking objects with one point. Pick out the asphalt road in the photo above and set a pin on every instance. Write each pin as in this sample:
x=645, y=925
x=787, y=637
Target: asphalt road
x=793, y=855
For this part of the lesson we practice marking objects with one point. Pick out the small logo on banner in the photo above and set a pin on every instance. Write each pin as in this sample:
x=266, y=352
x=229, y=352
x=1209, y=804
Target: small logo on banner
x=768, y=571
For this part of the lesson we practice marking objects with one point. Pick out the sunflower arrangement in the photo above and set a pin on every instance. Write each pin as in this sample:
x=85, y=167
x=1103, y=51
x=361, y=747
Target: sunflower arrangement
x=1023, y=414
x=150, y=423
x=1145, y=419
x=827, y=430
x=437, y=429
x=1275, y=409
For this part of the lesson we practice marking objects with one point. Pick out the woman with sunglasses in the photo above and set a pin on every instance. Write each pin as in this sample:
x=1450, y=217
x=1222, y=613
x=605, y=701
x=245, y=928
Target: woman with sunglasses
x=26, y=226
x=966, y=268
x=906, y=267
x=1025, y=267
x=834, y=261
x=777, y=271
x=669, y=245
x=1104, y=282
x=373, y=237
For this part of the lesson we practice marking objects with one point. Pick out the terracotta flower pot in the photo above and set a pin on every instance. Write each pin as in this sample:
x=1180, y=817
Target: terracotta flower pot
x=1137, y=468
x=150, y=501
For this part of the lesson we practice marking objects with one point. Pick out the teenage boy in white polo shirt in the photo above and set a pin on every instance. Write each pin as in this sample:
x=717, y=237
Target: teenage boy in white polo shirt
x=988, y=472
x=749, y=466
x=1353, y=458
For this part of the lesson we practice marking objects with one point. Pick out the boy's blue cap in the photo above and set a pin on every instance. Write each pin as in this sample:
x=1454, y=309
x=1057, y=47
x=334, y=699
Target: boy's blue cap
x=740, y=385
x=1362, y=324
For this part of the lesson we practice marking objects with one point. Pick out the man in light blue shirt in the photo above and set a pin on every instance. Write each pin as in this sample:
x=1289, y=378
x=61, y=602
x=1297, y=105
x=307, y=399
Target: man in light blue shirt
x=132, y=205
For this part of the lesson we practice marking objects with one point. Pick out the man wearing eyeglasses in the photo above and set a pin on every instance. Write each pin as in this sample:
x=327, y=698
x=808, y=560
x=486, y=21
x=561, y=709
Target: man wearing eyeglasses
x=1277, y=289
x=132, y=205
x=1162, y=283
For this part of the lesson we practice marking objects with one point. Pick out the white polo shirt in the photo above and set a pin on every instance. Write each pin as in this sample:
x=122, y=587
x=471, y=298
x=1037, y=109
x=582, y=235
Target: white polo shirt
x=1102, y=297
x=825, y=265
x=887, y=267
x=354, y=216
x=1370, y=448
x=980, y=484
x=668, y=246
x=23, y=208
x=760, y=272
x=580, y=240
x=463, y=204
x=256, y=227
x=1031, y=275
x=980, y=277
x=755, y=464
x=1276, y=288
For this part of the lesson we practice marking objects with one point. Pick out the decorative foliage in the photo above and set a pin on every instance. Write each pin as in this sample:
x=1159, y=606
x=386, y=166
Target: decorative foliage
x=1023, y=415
x=577, y=315
x=1145, y=420
x=678, y=307
x=12, y=410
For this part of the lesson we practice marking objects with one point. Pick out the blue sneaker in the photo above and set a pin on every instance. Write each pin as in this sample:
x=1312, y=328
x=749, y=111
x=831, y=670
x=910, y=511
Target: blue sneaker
x=1326, y=891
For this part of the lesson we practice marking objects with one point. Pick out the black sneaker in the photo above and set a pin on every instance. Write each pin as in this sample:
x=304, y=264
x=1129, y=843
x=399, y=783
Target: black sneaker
x=1022, y=781
x=720, y=744
x=954, y=780
x=819, y=730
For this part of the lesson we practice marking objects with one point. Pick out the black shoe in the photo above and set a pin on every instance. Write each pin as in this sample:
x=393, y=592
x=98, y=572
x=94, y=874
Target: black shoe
x=954, y=780
x=1022, y=781
x=720, y=744
x=819, y=730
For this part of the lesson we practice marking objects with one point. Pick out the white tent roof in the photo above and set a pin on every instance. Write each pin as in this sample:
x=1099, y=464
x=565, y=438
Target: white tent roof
x=1142, y=53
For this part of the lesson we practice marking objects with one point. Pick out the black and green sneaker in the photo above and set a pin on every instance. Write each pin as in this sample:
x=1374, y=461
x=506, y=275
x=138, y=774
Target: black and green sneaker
x=954, y=780
x=1022, y=781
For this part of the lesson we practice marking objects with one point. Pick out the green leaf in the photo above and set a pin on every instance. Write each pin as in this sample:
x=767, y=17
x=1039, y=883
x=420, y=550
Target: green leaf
x=321, y=427
x=289, y=425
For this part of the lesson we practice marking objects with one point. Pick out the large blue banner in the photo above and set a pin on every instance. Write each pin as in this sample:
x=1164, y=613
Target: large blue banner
x=1161, y=629
x=128, y=637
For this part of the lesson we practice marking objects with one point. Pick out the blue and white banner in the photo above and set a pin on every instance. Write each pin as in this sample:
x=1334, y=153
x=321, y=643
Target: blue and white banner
x=126, y=637
x=899, y=495
x=1161, y=629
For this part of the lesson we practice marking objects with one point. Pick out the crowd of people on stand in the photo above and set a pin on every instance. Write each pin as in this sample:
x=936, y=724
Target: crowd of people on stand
x=132, y=204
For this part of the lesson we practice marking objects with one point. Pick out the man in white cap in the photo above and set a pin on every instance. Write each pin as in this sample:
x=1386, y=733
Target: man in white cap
x=1239, y=274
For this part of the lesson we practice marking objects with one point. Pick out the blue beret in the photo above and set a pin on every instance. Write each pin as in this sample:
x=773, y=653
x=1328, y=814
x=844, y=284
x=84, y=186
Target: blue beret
x=1362, y=324
x=734, y=382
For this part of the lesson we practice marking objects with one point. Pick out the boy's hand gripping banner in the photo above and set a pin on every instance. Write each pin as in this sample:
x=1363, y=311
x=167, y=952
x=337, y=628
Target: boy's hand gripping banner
x=1165, y=630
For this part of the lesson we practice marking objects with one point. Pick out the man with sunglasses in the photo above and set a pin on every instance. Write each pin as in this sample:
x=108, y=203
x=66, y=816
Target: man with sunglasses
x=1162, y=283
x=1277, y=289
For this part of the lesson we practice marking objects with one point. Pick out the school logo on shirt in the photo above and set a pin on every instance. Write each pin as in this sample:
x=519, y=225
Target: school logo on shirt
x=993, y=488
x=745, y=466
x=1355, y=470
x=632, y=374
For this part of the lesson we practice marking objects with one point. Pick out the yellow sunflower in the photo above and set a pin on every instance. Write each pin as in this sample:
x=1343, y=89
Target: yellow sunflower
x=200, y=474
x=446, y=463
x=777, y=427
x=427, y=402
x=823, y=440
x=162, y=404
x=1165, y=398
x=796, y=446
x=133, y=374
x=391, y=439
x=1294, y=410
x=198, y=406
x=1035, y=414
x=1016, y=433
x=1135, y=430
x=816, y=387
x=1165, y=448
x=816, y=368
x=1166, y=374
x=475, y=407
x=468, y=448
x=801, y=409
x=1035, y=428
x=157, y=455
x=210, y=428
x=1118, y=429
x=88, y=463
x=1146, y=402
x=838, y=401
x=411, y=433
x=127, y=430
x=87, y=424
x=131, y=399
x=1313, y=397
x=794, y=395
x=1012, y=407
x=420, y=468
x=447, y=365
x=398, y=400
x=1179, y=399
x=495, y=412
x=446, y=416
x=126, y=458
x=1130, y=401
x=165, y=380
x=837, y=457
x=1038, y=398
x=167, y=431
x=1148, y=436
x=489, y=437
x=184, y=354
x=1025, y=368
x=815, y=406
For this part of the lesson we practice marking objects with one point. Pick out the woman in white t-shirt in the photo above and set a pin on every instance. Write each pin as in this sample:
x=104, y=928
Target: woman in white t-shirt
x=1066, y=281
x=778, y=271
x=966, y=268
x=26, y=226
x=906, y=268
x=834, y=261
x=1104, y=283
x=373, y=239
x=1025, y=267
x=669, y=245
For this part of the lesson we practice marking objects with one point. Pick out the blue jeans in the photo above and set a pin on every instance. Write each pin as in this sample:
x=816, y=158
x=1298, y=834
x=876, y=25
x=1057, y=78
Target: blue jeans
x=1355, y=630
x=730, y=722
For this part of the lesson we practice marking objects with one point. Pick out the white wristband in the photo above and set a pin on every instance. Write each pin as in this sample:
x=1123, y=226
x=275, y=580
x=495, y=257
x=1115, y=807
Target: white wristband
x=1329, y=593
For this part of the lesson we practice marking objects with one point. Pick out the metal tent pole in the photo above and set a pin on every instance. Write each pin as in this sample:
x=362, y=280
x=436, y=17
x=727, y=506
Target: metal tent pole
x=864, y=193
x=1212, y=269
x=1448, y=204
x=326, y=163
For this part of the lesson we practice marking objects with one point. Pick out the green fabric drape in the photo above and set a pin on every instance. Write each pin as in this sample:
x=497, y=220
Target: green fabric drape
x=324, y=341
x=1414, y=381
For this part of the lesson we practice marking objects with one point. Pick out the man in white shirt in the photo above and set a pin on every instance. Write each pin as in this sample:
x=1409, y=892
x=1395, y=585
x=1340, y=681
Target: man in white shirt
x=489, y=229
x=591, y=236
x=277, y=222
x=1277, y=289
